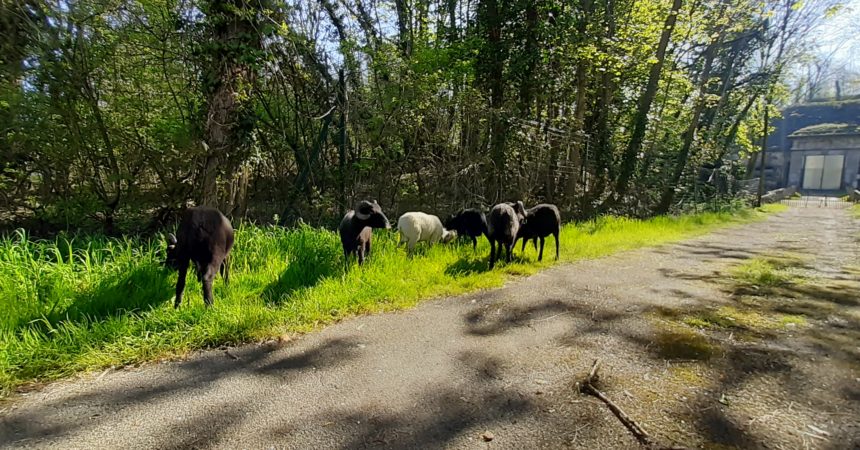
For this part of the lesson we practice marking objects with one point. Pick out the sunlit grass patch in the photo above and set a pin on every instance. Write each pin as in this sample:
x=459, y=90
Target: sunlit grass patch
x=687, y=374
x=728, y=317
x=792, y=319
x=768, y=272
x=773, y=208
x=76, y=304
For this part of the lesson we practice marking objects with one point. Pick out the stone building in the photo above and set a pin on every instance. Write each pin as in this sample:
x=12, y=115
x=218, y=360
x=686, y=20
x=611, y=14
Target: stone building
x=815, y=147
x=825, y=159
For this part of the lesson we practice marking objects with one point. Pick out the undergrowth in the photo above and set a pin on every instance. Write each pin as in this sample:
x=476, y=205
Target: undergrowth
x=76, y=304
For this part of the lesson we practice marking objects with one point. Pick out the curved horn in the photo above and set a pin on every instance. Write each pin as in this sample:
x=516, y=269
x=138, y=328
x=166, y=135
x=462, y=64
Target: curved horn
x=171, y=239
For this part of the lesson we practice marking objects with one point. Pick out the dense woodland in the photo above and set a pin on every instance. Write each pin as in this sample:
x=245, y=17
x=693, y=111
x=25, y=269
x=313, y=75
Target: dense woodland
x=116, y=114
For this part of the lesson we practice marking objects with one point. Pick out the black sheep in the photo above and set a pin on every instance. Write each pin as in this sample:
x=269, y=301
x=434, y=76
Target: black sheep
x=356, y=229
x=205, y=238
x=541, y=221
x=468, y=222
x=503, y=224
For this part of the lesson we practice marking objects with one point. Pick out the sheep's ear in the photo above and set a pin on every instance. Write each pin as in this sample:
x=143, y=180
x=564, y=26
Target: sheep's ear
x=362, y=211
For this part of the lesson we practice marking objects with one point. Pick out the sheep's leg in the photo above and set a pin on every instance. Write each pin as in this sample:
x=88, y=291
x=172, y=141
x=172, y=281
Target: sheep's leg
x=367, y=249
x=180, y=282
x=540, y=255
x=474, y=243
x=225, y=270
x=199, y=271
x=493, y=253
x=555, y=235
x=509, y=249
x=208, y=278
x=360, y=253
x=523, y=250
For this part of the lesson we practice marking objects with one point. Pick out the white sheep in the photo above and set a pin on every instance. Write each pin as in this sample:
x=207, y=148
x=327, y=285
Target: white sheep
x=415, y=227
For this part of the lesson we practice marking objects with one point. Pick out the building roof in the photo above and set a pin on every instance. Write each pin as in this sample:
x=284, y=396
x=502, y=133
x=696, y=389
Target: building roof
x=826, y=129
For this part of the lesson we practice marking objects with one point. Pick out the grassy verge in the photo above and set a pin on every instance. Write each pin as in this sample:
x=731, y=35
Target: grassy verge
x=855, y=210
x=73, y=305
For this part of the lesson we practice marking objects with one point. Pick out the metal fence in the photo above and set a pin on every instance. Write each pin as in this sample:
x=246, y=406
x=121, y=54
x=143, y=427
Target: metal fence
x=809, y=201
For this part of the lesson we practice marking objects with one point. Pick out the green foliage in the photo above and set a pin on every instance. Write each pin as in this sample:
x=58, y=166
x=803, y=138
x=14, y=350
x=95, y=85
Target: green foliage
x=78, y=303
x=106, y=134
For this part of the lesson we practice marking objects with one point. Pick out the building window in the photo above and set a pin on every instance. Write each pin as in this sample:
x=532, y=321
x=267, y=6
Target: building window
x=823, y=172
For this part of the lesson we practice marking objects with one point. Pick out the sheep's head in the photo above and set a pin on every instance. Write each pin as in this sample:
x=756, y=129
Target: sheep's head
x=371, y=213
x=519, y=209
x=451, y=222
x=448, y=235
x=172, y=252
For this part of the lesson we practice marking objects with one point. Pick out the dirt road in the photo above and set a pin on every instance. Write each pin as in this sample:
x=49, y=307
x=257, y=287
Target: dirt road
x=696, y=358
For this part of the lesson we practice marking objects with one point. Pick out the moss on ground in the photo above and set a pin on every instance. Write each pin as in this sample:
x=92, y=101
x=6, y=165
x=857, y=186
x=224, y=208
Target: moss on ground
x=679, y=342
x=728, y=317
x=768, y=272
x=689, y=374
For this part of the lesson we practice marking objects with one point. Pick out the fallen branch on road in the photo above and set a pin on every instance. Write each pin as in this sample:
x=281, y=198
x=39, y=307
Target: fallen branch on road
x=587, y=386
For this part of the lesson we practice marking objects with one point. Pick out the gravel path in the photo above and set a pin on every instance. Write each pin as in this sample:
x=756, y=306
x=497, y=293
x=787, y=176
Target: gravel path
x=498, y=369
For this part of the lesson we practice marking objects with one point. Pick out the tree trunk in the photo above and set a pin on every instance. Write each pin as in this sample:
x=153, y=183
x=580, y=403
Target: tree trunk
x=532, y=56
x=733, y=130
x=403, y=27
x=763, y=150
x=344, y=107
x=227, y=80
x=490, y=15
x=599, y=127
x=640, y=122
x=690, y=133
x=581, y=77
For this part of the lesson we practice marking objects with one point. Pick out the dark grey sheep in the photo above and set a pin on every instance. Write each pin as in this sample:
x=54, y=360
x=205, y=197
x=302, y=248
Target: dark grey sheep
x=205, y=238
x=468, y=222
x=503, y=224
x=541, y=221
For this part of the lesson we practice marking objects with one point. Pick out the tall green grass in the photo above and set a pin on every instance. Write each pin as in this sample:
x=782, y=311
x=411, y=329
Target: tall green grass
x=77, y=304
